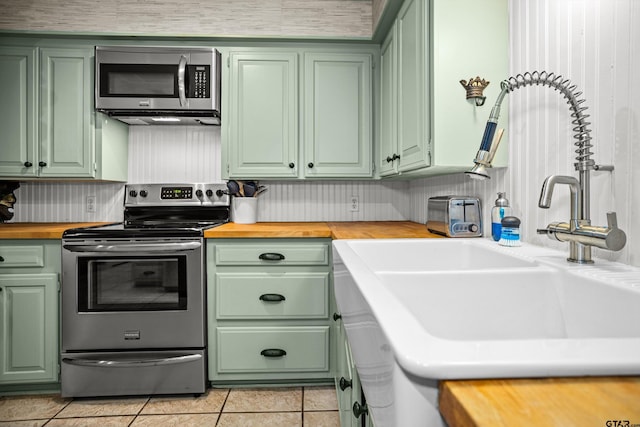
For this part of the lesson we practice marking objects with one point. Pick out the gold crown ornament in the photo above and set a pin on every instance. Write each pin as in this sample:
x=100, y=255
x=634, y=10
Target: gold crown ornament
x=474, y=89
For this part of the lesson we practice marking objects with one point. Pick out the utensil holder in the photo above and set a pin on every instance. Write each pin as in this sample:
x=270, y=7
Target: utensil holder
x=244, y=210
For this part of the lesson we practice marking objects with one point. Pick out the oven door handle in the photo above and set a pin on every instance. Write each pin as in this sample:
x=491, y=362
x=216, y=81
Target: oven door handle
x=129, y=247
x=133, y=363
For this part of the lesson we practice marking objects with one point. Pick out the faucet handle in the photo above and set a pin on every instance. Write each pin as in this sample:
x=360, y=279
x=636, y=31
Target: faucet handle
x=612, y=220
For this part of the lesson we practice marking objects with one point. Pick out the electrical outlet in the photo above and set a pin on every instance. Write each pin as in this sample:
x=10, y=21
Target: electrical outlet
x=354, y=204
x=91, y=204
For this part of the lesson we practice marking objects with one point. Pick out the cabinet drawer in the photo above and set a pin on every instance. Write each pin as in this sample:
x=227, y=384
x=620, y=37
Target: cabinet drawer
x=272, y=296
x=21, y=256
x=256, y=349
x=272, y=254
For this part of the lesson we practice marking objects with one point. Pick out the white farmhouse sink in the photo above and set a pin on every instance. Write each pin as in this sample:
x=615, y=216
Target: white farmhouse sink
x=448, y=254
x=413, y=318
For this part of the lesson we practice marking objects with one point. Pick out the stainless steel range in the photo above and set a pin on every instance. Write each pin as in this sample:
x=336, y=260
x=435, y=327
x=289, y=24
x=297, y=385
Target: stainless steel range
x=133, y=294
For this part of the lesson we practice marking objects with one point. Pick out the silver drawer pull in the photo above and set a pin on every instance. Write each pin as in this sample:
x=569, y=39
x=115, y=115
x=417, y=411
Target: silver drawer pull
x=133, y=363
x=271, y=256
x=130, y=247
x=273, y=352
x=272, y=297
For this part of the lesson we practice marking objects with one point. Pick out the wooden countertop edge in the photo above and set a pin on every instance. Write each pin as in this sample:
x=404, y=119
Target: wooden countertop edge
x=41, y=230
x=333, y=230
x=540, y=402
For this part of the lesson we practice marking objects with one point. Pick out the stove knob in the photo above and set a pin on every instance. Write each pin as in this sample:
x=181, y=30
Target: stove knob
x=198, y=193
x=133, y=193
x=143, y=193
x=219, y=193
x=209, y=193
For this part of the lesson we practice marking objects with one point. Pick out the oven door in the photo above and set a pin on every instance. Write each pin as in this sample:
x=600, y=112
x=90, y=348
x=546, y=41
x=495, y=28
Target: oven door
x=142, y=294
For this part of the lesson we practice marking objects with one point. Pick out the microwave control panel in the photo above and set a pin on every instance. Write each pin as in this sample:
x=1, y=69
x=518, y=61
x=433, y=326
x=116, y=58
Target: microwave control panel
x=199, y=81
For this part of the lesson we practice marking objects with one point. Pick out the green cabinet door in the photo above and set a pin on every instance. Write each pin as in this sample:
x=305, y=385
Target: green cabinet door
x=388, y=158
x=412, y=119
x=262, y=111
x=337, y=115
x=66, y=113
x=28, y=328
x=18, y=135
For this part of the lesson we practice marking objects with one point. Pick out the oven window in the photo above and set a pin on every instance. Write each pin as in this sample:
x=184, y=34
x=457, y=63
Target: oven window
x=126, y=284
x=139, y=80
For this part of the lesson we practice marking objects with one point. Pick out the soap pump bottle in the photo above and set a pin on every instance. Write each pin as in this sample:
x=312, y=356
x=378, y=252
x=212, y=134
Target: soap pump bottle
x=498, y=212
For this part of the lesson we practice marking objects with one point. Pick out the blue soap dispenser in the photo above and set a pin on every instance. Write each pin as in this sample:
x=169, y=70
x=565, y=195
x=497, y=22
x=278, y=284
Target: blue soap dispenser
x=498, y=212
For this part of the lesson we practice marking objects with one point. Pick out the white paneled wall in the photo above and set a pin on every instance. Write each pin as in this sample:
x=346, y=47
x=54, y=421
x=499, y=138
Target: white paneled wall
x=183, y=154
x=166, y=154
x=330, y=201
x=66, y=202
x=596, y=44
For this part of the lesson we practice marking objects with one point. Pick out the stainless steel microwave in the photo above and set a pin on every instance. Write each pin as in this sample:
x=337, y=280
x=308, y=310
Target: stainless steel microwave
x=158, y=85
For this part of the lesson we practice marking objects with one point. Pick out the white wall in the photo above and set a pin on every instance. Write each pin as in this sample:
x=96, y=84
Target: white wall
x=596, y=44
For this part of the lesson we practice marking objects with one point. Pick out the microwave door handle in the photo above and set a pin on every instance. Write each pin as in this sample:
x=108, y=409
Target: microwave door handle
x=156, y=247
x=182, y=66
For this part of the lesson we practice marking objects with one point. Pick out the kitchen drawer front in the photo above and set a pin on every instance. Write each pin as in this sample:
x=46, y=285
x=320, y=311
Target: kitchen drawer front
x=21, y=256
x=270, y=254
x=255, y=349
x=272, y=296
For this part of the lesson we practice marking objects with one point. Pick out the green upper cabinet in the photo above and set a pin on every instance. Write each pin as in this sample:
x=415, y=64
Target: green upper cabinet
x=427, y=127
x=66, y=108
x=337, y=115
x=404, y=123
x=388, y=153
x=284, y=119
x=50, y=128
x=18, y=112
x=261, y=123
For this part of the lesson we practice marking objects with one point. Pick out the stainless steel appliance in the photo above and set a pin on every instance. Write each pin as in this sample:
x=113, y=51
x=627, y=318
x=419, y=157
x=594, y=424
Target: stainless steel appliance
x=133, y=294
x=158, y=85
x=454, y=216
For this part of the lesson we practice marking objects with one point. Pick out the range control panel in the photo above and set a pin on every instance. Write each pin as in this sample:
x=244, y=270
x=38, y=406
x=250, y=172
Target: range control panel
x=176, y=195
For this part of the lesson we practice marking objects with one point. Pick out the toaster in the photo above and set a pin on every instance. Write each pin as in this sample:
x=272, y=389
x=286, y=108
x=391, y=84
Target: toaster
x=454, y=216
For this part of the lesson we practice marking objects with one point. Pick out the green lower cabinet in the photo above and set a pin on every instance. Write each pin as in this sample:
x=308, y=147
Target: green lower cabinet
x=272, y=349
x=269, y=305
x=351, y=405
x=28, y=328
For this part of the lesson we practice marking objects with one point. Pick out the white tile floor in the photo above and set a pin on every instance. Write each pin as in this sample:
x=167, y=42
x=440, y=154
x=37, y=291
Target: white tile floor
x=282, y=407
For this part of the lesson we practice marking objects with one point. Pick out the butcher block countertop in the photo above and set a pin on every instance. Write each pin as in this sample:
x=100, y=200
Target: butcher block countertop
x=334, y=230
x=40, y=230
x=566, y=402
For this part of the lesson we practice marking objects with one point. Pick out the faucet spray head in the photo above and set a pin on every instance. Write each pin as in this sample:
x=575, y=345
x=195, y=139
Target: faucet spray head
x=478, y=171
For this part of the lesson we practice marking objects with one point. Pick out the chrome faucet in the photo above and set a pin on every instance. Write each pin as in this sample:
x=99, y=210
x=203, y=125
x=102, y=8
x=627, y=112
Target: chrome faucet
x=579, y=232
